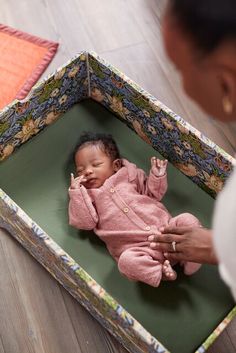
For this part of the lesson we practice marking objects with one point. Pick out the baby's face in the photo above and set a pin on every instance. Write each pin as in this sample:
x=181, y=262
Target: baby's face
x=94, y=165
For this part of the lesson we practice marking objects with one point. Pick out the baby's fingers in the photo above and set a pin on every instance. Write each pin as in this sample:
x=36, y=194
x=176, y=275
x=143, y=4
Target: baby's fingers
x=162, y=163
x=82, y=179
x=153, y=161
x=75, y=182
x=72, y=181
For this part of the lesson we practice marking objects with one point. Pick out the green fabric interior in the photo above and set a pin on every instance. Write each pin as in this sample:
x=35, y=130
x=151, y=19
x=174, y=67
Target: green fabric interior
x=179, y=314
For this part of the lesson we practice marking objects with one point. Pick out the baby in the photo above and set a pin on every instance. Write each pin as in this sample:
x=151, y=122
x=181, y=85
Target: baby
x=122, y=205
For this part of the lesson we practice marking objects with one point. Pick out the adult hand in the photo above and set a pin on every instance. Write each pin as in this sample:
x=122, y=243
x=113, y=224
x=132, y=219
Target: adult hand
x=75, y=182
x=191, y=244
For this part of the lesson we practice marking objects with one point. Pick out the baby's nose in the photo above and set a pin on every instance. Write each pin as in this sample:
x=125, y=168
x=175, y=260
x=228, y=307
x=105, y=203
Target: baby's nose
x=88, y=171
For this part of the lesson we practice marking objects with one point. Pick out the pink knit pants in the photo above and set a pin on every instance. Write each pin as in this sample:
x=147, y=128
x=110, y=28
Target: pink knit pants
x=145, y=264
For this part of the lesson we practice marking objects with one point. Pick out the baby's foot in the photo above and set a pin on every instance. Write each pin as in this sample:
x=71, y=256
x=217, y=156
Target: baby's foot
x=190, y=267
x=168, y=274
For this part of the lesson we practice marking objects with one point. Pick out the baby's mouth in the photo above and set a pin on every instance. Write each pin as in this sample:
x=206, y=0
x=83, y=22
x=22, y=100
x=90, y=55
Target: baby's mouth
x=91, y=180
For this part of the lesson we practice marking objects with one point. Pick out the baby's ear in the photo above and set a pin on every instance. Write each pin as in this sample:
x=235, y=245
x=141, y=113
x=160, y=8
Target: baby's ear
x=117, y=163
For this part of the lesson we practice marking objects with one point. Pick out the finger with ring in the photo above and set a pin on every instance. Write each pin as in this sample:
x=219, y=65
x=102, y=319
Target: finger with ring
x=173, y=245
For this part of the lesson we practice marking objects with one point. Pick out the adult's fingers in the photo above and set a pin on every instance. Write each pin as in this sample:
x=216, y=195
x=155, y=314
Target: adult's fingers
x=165, y=238
x=175, y=230
x=173, y=256
x=166, y=247
x=163, y=247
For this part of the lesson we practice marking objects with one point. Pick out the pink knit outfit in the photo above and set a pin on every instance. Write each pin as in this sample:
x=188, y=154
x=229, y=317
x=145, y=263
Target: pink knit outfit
x=123, y=212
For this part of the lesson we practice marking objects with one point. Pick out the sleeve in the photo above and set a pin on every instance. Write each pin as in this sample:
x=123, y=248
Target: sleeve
x=153, y=185
x=82, y=213
x=228, y=279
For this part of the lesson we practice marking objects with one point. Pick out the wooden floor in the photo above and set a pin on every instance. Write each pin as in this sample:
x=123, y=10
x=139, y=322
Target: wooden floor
x=36, y=314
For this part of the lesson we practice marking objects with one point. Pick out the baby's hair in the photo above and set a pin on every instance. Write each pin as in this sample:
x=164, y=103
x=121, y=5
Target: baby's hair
x=104, y=141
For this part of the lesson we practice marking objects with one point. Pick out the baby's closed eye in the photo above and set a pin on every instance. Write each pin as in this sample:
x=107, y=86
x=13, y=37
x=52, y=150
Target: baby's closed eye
x=97, y=164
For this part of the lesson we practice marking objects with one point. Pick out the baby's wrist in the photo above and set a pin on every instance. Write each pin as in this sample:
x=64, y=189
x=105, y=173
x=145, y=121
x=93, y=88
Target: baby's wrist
x=74, y=187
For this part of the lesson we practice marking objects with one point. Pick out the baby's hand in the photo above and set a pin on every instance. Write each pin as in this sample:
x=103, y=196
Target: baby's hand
x=75, y=182
x=159, y=166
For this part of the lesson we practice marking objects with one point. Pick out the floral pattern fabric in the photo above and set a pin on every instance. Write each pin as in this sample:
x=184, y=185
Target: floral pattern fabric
x=185, y=147
x=46, y=102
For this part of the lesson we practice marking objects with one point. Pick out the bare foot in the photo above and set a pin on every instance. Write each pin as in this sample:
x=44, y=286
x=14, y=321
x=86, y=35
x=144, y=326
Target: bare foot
x=190, y=267
x=168, y=274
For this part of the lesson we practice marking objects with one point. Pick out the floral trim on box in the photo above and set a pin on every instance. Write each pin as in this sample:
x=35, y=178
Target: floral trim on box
x=219, y=329
x=77, y=281
x=45, y=103
x=184, y=146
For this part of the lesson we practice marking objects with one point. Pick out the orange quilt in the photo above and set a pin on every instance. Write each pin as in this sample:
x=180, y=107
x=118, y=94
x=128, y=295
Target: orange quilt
x=23, y=58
